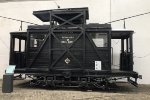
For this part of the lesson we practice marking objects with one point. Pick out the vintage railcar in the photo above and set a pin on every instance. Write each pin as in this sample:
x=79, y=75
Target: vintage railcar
x=70, y=52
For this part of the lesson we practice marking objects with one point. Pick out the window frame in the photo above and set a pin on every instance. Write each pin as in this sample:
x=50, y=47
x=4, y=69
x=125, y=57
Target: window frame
x=106, y=40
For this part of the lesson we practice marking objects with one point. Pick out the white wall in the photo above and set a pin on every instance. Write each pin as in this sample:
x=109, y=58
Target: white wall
x=99, y=13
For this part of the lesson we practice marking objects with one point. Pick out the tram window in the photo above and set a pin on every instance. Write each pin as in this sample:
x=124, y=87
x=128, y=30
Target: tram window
x=36, y=40
x=16, y=48
x=99, y=39
x=22, y=45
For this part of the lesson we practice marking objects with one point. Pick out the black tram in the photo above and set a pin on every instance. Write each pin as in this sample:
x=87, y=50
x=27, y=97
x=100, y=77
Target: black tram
x=70, y=52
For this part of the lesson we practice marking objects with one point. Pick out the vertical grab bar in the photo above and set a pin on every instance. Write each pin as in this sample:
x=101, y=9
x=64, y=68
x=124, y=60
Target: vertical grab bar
x=112, y=56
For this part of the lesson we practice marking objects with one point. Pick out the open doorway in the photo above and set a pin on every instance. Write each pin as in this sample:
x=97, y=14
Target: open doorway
x=122, y=55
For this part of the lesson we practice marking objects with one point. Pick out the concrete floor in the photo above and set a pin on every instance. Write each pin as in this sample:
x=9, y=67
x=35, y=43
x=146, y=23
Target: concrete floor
x=124, y=91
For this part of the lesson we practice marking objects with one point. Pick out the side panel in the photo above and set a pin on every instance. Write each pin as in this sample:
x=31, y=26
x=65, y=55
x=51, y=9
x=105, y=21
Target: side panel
x=37, y=49
x=67, y=50
x=98, y=49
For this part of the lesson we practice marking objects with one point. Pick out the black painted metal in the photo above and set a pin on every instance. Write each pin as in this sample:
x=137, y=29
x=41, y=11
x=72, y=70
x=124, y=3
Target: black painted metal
x=66, y=50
